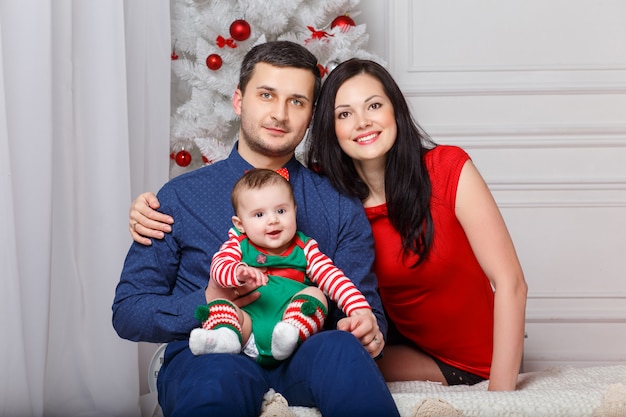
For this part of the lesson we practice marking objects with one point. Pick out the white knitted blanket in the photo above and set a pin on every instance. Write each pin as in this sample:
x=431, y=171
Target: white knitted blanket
x=556, y=392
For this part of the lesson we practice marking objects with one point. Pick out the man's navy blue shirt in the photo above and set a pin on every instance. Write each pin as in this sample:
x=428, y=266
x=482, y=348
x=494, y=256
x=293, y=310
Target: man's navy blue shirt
x=161, y=285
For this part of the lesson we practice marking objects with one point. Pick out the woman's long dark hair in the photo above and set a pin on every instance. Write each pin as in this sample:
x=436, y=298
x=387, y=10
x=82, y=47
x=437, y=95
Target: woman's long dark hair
x=407, y=184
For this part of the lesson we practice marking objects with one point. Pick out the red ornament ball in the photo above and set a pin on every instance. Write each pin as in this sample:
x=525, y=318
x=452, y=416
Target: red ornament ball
x=183, y=158
x=214, y=62
x=344, y=22
x=240, y=30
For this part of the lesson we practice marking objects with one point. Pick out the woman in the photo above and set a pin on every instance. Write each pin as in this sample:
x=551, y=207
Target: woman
x=450, y=279
x=442, y=247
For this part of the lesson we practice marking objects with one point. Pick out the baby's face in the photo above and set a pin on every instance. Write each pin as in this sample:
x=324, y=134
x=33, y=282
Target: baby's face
x=268, y=217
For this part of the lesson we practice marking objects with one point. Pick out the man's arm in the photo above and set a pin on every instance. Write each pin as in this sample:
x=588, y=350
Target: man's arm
x=162, y=284
x=156, y=296
x=147, y=305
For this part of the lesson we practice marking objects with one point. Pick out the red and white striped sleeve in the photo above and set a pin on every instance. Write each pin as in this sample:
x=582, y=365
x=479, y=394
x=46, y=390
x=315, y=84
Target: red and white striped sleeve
x=332, y=281
x=225, y=262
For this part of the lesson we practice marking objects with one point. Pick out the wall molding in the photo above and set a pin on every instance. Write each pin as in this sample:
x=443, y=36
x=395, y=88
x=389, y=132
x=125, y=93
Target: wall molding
x=569, y=295
x=500, y=136
x=573, y=191
x=607, y=193
x=445, y=89
x=532, y=364
x=504, y=204
x=609, y=184
x=504, y=141
x=421, y=68
x=600, y=307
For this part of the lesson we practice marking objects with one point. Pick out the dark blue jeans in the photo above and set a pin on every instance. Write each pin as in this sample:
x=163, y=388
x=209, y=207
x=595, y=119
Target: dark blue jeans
x=330, y=371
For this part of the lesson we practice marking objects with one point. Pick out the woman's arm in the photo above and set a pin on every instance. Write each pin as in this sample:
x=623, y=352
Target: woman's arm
x=491, y=242
x=145, y=222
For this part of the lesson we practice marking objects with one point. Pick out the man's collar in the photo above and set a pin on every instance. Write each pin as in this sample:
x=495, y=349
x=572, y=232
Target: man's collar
x=238, y=164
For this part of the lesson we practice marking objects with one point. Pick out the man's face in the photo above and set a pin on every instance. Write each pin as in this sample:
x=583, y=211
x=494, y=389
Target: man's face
x=275, y=111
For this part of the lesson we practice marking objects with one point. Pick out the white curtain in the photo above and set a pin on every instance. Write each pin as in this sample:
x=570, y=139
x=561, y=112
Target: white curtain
x=84, y=109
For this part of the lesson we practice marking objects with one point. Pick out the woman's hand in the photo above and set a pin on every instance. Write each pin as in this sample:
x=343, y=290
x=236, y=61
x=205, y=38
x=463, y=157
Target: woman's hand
x=363, y=325
x=145, y=222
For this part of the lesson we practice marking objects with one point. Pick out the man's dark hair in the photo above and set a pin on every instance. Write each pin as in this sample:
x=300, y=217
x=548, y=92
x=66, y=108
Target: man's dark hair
x=280, y=54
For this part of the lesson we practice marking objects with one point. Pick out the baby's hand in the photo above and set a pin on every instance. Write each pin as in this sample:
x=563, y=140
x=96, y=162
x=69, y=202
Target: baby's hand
x=250, y=275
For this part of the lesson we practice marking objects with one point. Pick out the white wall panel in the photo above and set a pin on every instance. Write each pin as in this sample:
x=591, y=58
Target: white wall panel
x=571, y=251
x=570, y=114
x=557, y=344
x=516, y=46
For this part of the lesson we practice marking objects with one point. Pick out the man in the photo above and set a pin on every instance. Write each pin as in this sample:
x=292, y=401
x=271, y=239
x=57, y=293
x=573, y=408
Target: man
x=161, y=284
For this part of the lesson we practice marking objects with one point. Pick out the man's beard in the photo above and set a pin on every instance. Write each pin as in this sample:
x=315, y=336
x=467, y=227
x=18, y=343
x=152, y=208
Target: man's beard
x=256, y=143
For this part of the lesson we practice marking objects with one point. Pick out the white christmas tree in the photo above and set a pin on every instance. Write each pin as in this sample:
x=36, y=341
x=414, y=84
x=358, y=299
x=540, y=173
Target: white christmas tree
x=210, y=39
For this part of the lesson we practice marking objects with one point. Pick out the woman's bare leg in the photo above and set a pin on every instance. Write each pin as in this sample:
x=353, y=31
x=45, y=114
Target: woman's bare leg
x=406, y=363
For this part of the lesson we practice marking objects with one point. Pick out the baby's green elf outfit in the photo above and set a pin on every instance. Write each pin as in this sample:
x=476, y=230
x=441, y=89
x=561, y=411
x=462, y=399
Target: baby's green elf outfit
x=280, y=318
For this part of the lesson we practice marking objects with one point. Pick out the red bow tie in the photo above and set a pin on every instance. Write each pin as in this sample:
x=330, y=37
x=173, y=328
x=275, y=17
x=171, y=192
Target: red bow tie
x=283, y=173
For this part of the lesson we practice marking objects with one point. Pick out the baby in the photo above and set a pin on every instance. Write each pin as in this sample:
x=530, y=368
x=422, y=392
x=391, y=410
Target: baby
x=293, y=276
